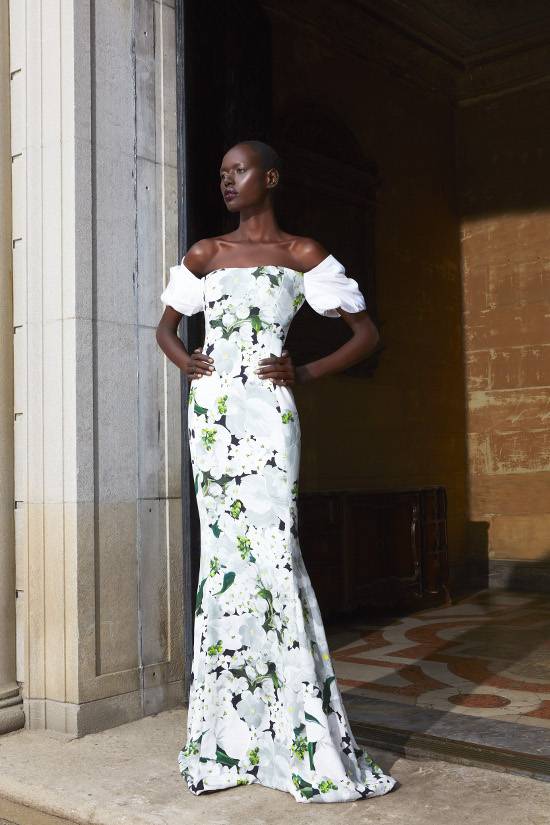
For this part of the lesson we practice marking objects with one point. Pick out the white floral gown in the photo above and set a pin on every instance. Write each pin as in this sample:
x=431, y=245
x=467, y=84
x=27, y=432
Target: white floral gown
x=264, y=703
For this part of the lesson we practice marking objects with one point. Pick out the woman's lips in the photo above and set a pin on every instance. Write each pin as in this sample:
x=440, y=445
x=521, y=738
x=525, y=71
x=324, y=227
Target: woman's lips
x=228, y=196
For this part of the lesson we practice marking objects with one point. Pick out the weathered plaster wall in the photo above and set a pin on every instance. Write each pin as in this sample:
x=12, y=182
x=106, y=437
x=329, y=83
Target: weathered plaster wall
x=503, y=174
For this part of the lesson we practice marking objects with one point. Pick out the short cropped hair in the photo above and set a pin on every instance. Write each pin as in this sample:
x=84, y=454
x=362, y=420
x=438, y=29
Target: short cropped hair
x=267, y=154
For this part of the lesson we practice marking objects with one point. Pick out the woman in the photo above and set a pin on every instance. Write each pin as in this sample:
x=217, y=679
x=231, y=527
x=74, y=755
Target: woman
x=264, y=704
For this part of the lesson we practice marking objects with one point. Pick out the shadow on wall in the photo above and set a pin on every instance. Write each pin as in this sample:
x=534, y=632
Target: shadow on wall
x=511, y=574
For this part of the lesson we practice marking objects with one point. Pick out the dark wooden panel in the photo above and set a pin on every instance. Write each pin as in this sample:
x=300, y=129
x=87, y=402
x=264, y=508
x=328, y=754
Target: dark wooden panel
x=376, y=548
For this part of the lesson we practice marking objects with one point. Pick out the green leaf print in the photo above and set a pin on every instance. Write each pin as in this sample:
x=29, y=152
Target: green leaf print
x=193, y=745
x=256, y=323
x=229, y=330
x=191, y=749
x=287, y=416
x=269, y=623
x=216, y=529
x=236, y=508
x=327, y=707
x=254, y=756
x=207, y=478
x=222, y=405
x=200, y=591
x=299, y=746
x=223, y=758
x=208, y=437
x=374, y=766
x=225, y=479
x=213, y=650
x=327, y=785
x=274, y=279
x=311, y=750
x=311, y=718
x=305, y=788
x=240, y=673
x=245, y=548
x=197, y=483
x=214, y=565
x=298, y=300
x=228, y=580
x=266, y=594
x=200, y=410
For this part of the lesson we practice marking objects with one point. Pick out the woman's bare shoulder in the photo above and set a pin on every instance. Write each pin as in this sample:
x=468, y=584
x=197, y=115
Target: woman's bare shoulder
x=308, y=252
x=199, y=255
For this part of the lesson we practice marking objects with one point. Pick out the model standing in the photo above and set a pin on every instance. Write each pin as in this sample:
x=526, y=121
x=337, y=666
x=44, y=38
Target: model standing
x=264, y=703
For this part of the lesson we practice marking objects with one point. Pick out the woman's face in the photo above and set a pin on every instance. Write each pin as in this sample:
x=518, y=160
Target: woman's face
x=243, y=181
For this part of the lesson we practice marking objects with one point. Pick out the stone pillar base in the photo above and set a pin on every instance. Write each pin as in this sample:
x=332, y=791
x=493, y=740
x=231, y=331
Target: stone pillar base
x=76, y=720
x=12, y=716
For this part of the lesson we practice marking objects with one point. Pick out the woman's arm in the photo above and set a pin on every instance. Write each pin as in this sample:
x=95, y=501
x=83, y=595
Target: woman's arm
x=197, y=363
x=365, y=336
x=363, y=341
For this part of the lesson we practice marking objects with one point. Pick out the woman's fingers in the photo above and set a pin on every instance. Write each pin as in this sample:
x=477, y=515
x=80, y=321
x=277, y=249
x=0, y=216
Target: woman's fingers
x=202, y=364
x=279, y=369
x=274, y=363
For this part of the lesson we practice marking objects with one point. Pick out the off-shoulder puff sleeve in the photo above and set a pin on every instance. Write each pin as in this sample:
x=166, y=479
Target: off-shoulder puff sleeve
x=184, y=291
x=327, y=287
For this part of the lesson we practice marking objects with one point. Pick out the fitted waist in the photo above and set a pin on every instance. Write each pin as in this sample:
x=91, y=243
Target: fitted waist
x=239, y=357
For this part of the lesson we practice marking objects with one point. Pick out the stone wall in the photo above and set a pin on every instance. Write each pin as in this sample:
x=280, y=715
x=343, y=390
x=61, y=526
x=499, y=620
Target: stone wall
x=503, y=174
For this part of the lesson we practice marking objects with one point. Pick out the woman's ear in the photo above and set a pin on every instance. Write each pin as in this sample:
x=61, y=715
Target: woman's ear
x=272, y=178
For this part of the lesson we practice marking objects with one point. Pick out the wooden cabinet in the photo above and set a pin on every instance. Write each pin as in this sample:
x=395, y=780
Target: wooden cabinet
x=384, y=548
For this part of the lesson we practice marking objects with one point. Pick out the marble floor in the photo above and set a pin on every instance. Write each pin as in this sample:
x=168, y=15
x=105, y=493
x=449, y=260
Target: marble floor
x=478, y=669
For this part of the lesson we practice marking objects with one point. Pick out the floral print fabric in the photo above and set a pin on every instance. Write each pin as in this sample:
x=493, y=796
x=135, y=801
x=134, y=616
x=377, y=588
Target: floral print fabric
x=264, y=704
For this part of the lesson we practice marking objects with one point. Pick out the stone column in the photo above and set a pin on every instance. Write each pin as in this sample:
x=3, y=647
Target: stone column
x=11, y=708
x=98, y=533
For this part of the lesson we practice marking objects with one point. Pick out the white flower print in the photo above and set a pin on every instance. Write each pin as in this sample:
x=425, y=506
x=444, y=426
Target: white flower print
x=246, y=333
x=251, y=414
x=253, y=710
x=211, y=446
x=264, y=706
x=227, y=357
x=241, y=286
x=242, y=311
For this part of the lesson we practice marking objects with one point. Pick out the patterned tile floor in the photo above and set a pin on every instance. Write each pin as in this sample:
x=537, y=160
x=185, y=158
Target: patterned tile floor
x=485, y=656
